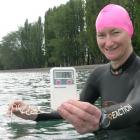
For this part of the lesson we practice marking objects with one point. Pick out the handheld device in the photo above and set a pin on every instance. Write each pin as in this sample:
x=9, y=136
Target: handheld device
x=63, y=85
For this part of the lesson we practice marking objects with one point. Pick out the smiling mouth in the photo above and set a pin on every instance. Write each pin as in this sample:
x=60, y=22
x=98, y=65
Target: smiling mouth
x=111, y=49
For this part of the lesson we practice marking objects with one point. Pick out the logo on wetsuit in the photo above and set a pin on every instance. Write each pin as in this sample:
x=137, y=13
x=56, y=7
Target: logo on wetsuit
x=120, y=112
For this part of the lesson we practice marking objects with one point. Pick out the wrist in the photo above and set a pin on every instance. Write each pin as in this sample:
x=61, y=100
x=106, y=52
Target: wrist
x=104, y=120
x=32, y=117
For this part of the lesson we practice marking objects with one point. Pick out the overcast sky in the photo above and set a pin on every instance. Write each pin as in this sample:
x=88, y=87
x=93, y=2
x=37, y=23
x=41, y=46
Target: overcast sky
x=13, y=13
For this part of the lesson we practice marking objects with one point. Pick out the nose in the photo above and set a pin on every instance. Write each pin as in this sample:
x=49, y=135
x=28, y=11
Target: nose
x=108, y=41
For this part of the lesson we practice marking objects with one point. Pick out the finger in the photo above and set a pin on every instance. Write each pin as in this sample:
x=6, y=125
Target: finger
x=14, y=104
x=76, y=113
x=18, y=103
x=11, y=108
x=92, y=109
x=24, y=109
x=81, y=125
x=68, y=116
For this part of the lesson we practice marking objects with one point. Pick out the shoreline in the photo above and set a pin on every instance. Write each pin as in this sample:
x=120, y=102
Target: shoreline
x=82, y=67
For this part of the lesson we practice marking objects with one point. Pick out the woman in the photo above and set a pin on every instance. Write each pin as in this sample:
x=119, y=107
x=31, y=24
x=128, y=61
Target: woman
x=117, y=83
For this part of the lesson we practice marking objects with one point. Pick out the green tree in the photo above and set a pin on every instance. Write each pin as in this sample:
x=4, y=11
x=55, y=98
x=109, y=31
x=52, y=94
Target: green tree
x=64, y=26
x=9, y=51
x=32, y=44
x=92, y=9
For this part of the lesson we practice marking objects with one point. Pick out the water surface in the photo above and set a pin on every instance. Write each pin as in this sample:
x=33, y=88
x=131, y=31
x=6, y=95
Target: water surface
x=34, y=88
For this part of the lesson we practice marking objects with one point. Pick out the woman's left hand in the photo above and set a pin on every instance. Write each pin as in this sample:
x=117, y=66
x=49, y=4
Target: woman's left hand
x=84, y=116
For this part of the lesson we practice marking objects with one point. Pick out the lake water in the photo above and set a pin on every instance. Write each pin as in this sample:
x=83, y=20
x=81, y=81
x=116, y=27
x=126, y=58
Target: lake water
x=33, y=87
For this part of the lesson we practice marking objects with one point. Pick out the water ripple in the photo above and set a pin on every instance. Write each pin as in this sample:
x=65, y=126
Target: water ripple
x=34, y=88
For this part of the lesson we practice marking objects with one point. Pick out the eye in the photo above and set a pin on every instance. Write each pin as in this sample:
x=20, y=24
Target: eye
x=116, y=32
x=100, y=35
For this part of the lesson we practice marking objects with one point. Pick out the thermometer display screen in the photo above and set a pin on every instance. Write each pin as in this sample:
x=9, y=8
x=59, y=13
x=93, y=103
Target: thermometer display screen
x=63, y=75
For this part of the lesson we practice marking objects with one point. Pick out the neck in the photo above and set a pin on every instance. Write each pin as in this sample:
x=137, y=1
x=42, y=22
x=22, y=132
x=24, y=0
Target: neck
x=124, y=66
x=116, y=64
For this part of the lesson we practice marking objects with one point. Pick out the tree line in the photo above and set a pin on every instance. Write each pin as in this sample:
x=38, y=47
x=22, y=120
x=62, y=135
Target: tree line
x=66, y=37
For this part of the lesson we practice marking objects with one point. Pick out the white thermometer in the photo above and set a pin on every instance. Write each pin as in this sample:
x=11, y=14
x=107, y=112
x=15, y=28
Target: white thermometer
x=63, y=85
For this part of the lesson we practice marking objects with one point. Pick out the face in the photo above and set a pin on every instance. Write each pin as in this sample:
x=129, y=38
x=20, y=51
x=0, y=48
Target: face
x=114, y=43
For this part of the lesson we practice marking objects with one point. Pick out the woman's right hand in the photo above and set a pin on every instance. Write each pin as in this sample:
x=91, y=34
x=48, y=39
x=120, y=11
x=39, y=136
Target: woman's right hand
x=22, y=110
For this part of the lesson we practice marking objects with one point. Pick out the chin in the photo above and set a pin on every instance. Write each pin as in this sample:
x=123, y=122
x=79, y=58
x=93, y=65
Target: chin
x=111, y=58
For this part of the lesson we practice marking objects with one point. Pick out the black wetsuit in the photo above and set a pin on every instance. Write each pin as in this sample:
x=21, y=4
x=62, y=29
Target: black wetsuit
x=120, y=97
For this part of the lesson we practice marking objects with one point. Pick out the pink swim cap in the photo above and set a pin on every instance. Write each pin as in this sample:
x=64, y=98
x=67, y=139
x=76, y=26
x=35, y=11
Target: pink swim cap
x=116, y=16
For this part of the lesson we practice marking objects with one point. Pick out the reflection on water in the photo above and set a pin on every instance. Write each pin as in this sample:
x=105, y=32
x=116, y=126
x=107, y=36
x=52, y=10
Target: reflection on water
x=33, y=88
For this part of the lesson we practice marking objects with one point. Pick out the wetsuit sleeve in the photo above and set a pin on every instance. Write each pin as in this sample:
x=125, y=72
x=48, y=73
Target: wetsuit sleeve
x=127, y=113
x=48, y=116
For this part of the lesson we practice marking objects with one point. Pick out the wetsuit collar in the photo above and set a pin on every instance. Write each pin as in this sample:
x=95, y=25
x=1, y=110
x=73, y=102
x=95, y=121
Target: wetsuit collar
x=124, y=66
